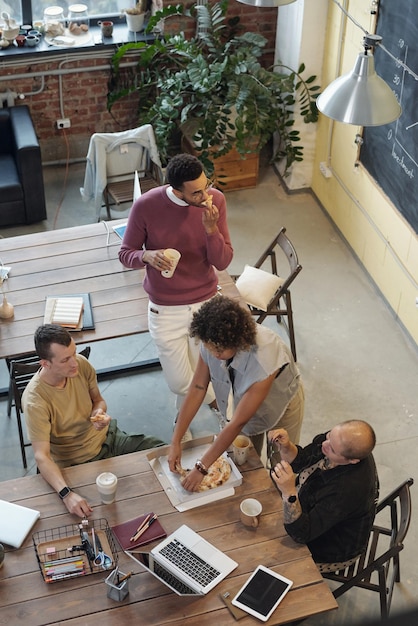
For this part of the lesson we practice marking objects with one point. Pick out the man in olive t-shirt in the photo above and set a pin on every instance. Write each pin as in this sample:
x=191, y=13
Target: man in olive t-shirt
x=66, y=417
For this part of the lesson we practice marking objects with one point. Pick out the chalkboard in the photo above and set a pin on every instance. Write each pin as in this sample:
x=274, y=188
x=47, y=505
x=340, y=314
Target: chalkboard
x=390, y=152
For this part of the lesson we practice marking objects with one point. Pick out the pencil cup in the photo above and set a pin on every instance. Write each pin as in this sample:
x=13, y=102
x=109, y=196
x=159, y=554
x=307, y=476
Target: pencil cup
x=117, y=591
x=106, y=485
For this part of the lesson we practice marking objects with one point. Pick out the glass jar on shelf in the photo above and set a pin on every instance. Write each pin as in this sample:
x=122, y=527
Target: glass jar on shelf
x=54, y=21
x=78, y=20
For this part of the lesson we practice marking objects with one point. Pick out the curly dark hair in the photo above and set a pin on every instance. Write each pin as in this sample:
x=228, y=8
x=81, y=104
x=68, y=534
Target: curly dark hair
x=47, y=334
x=182, y=168
x=225, y=324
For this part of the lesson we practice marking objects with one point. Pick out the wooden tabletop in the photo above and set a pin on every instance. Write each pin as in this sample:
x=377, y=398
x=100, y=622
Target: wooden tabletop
x=67, y=261
x=25, y=595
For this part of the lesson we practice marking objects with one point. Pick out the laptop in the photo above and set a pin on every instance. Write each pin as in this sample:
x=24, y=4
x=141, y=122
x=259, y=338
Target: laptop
x=186, y=563
x=15, y=523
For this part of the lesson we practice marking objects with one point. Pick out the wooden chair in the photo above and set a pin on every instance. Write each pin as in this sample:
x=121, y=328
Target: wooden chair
x=111, y=163
x=280, y=302
x=21, y=370
x=382, y=554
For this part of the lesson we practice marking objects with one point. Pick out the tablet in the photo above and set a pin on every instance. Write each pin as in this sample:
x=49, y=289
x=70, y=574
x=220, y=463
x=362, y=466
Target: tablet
x=262, y=592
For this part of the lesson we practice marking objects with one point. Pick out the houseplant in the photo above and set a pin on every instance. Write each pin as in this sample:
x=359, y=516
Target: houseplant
x=213, y=88
x=135, y=16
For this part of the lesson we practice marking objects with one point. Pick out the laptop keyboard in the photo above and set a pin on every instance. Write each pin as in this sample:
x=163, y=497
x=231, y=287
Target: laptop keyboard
x=195, y=567
x=174, y=582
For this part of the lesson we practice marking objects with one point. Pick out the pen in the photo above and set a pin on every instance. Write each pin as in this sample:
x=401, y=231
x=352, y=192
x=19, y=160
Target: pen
x=120, y=580
x=144, y=528
x=142, y=524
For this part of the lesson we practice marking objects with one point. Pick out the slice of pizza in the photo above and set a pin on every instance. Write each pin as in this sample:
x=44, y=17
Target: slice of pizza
x=218, y=474
x=208, y=202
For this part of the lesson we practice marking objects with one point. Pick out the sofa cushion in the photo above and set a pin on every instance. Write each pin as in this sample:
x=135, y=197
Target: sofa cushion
x=10, y=187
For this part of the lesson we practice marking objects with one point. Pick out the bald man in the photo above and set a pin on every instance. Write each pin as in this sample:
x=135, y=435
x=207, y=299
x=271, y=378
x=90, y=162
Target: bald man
x=329, y=491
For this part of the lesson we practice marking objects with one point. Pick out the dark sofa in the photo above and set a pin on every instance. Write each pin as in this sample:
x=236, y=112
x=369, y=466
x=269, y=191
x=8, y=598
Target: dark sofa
x=22, y=196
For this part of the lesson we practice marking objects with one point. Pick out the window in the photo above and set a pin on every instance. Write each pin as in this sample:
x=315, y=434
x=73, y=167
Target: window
x=29, y=11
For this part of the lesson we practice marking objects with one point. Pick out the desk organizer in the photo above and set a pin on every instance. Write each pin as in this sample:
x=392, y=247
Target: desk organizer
x=60, y=554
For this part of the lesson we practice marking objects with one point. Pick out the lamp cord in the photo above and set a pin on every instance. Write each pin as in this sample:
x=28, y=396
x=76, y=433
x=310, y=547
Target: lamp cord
x=379, y=43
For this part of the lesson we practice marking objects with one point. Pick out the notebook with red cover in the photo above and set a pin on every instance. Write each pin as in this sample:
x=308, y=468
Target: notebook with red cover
x=126, y=530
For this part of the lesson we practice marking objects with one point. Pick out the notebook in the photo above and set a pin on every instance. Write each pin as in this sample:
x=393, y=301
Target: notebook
x=15, y=523
x=186, y=563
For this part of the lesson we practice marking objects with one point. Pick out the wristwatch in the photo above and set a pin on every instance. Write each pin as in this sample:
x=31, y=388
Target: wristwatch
x=292, y=499
x=64, y=492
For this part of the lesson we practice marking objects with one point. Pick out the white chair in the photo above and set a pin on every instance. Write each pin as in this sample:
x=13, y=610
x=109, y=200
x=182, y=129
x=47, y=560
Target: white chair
x=113, y=159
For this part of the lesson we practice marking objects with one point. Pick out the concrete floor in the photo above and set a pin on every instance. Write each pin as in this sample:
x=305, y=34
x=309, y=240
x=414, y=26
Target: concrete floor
x=355, y=359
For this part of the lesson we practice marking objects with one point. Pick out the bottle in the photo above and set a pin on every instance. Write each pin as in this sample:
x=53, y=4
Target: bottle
x=78, y=20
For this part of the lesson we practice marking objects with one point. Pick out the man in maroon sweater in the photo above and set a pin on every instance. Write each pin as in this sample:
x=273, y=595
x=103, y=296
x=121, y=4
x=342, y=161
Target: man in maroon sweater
x=190, y=216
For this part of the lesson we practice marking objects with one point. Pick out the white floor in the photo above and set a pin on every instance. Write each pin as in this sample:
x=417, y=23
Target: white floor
x=355, y=359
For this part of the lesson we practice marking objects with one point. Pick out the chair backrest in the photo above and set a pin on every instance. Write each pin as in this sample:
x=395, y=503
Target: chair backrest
x=283, y=242
x=399, y=503
x=381, y=556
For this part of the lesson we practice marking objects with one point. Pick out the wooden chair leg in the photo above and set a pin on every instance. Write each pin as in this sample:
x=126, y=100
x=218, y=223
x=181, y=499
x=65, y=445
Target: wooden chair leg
x=21, y=440
x=290, y=324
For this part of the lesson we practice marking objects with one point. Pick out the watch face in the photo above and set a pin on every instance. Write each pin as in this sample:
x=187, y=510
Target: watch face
x=64, y=492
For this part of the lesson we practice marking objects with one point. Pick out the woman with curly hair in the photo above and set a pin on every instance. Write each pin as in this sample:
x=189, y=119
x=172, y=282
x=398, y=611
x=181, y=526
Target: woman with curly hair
x=253, y=361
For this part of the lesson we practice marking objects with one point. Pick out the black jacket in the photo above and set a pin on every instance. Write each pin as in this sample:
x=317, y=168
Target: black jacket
x=338, y=506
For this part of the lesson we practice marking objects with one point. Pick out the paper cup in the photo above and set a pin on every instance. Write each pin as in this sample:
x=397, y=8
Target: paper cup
x=106, y=485
x=250, y=511
x=240, y=447
x=174, y=256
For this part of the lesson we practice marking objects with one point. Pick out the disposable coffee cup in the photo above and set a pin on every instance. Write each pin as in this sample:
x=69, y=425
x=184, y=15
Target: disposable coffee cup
x=250, y=510
x=106, y=485
x=240, y=447
x=174, y=256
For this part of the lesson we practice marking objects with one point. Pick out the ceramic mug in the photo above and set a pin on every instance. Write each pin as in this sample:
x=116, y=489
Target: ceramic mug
x=32, y=40
x=107, y=28
x=241, y=446
x=35, y=32
x=20, y=40
x=250, y=510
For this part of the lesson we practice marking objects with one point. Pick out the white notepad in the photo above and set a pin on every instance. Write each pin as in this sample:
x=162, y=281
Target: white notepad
x=15, y=523
x=67, y=311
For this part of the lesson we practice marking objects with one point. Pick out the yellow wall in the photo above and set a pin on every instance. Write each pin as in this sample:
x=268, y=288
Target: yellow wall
x=379, y=235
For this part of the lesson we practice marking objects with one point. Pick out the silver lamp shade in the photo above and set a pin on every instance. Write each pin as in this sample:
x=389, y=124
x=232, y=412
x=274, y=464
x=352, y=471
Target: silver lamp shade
x=266, y=4
x=361, y=98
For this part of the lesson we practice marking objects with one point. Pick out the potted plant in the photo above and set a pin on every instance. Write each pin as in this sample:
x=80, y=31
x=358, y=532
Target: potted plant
x=135, y=16
x=213, y=89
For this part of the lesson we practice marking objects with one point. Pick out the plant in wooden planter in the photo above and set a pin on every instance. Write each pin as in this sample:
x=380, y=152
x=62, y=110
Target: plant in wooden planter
x=213, y=88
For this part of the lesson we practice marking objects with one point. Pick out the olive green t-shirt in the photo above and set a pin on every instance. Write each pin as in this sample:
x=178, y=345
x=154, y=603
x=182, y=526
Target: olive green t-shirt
x=62, y=416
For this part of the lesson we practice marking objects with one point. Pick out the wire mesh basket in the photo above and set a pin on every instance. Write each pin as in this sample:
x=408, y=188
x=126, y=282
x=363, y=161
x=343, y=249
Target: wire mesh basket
x=81, y=549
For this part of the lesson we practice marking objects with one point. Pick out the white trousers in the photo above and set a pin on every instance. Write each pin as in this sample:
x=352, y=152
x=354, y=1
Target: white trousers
x=177, y=351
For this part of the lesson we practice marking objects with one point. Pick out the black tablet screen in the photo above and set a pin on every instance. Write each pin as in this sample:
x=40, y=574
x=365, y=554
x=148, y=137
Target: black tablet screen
x=262, y=592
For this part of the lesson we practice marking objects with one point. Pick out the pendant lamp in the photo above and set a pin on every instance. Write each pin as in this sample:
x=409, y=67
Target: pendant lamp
x=266, y=4
x=361, y=97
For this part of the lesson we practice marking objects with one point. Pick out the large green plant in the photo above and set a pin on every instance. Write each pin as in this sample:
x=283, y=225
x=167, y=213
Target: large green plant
x=213, y=88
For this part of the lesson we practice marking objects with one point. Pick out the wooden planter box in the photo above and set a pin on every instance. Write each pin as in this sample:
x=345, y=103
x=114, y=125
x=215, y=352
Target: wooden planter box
x=232, y=171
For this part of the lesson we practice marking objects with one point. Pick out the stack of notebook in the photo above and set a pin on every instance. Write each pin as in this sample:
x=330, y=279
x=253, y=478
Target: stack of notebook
x=71, y=311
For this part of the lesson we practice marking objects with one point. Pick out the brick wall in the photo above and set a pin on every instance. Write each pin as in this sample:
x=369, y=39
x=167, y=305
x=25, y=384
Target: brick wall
x=84, y=92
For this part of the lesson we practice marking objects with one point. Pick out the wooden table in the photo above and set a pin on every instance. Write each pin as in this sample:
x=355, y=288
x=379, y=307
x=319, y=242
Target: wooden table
x=25, y=596
x=74, y=260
